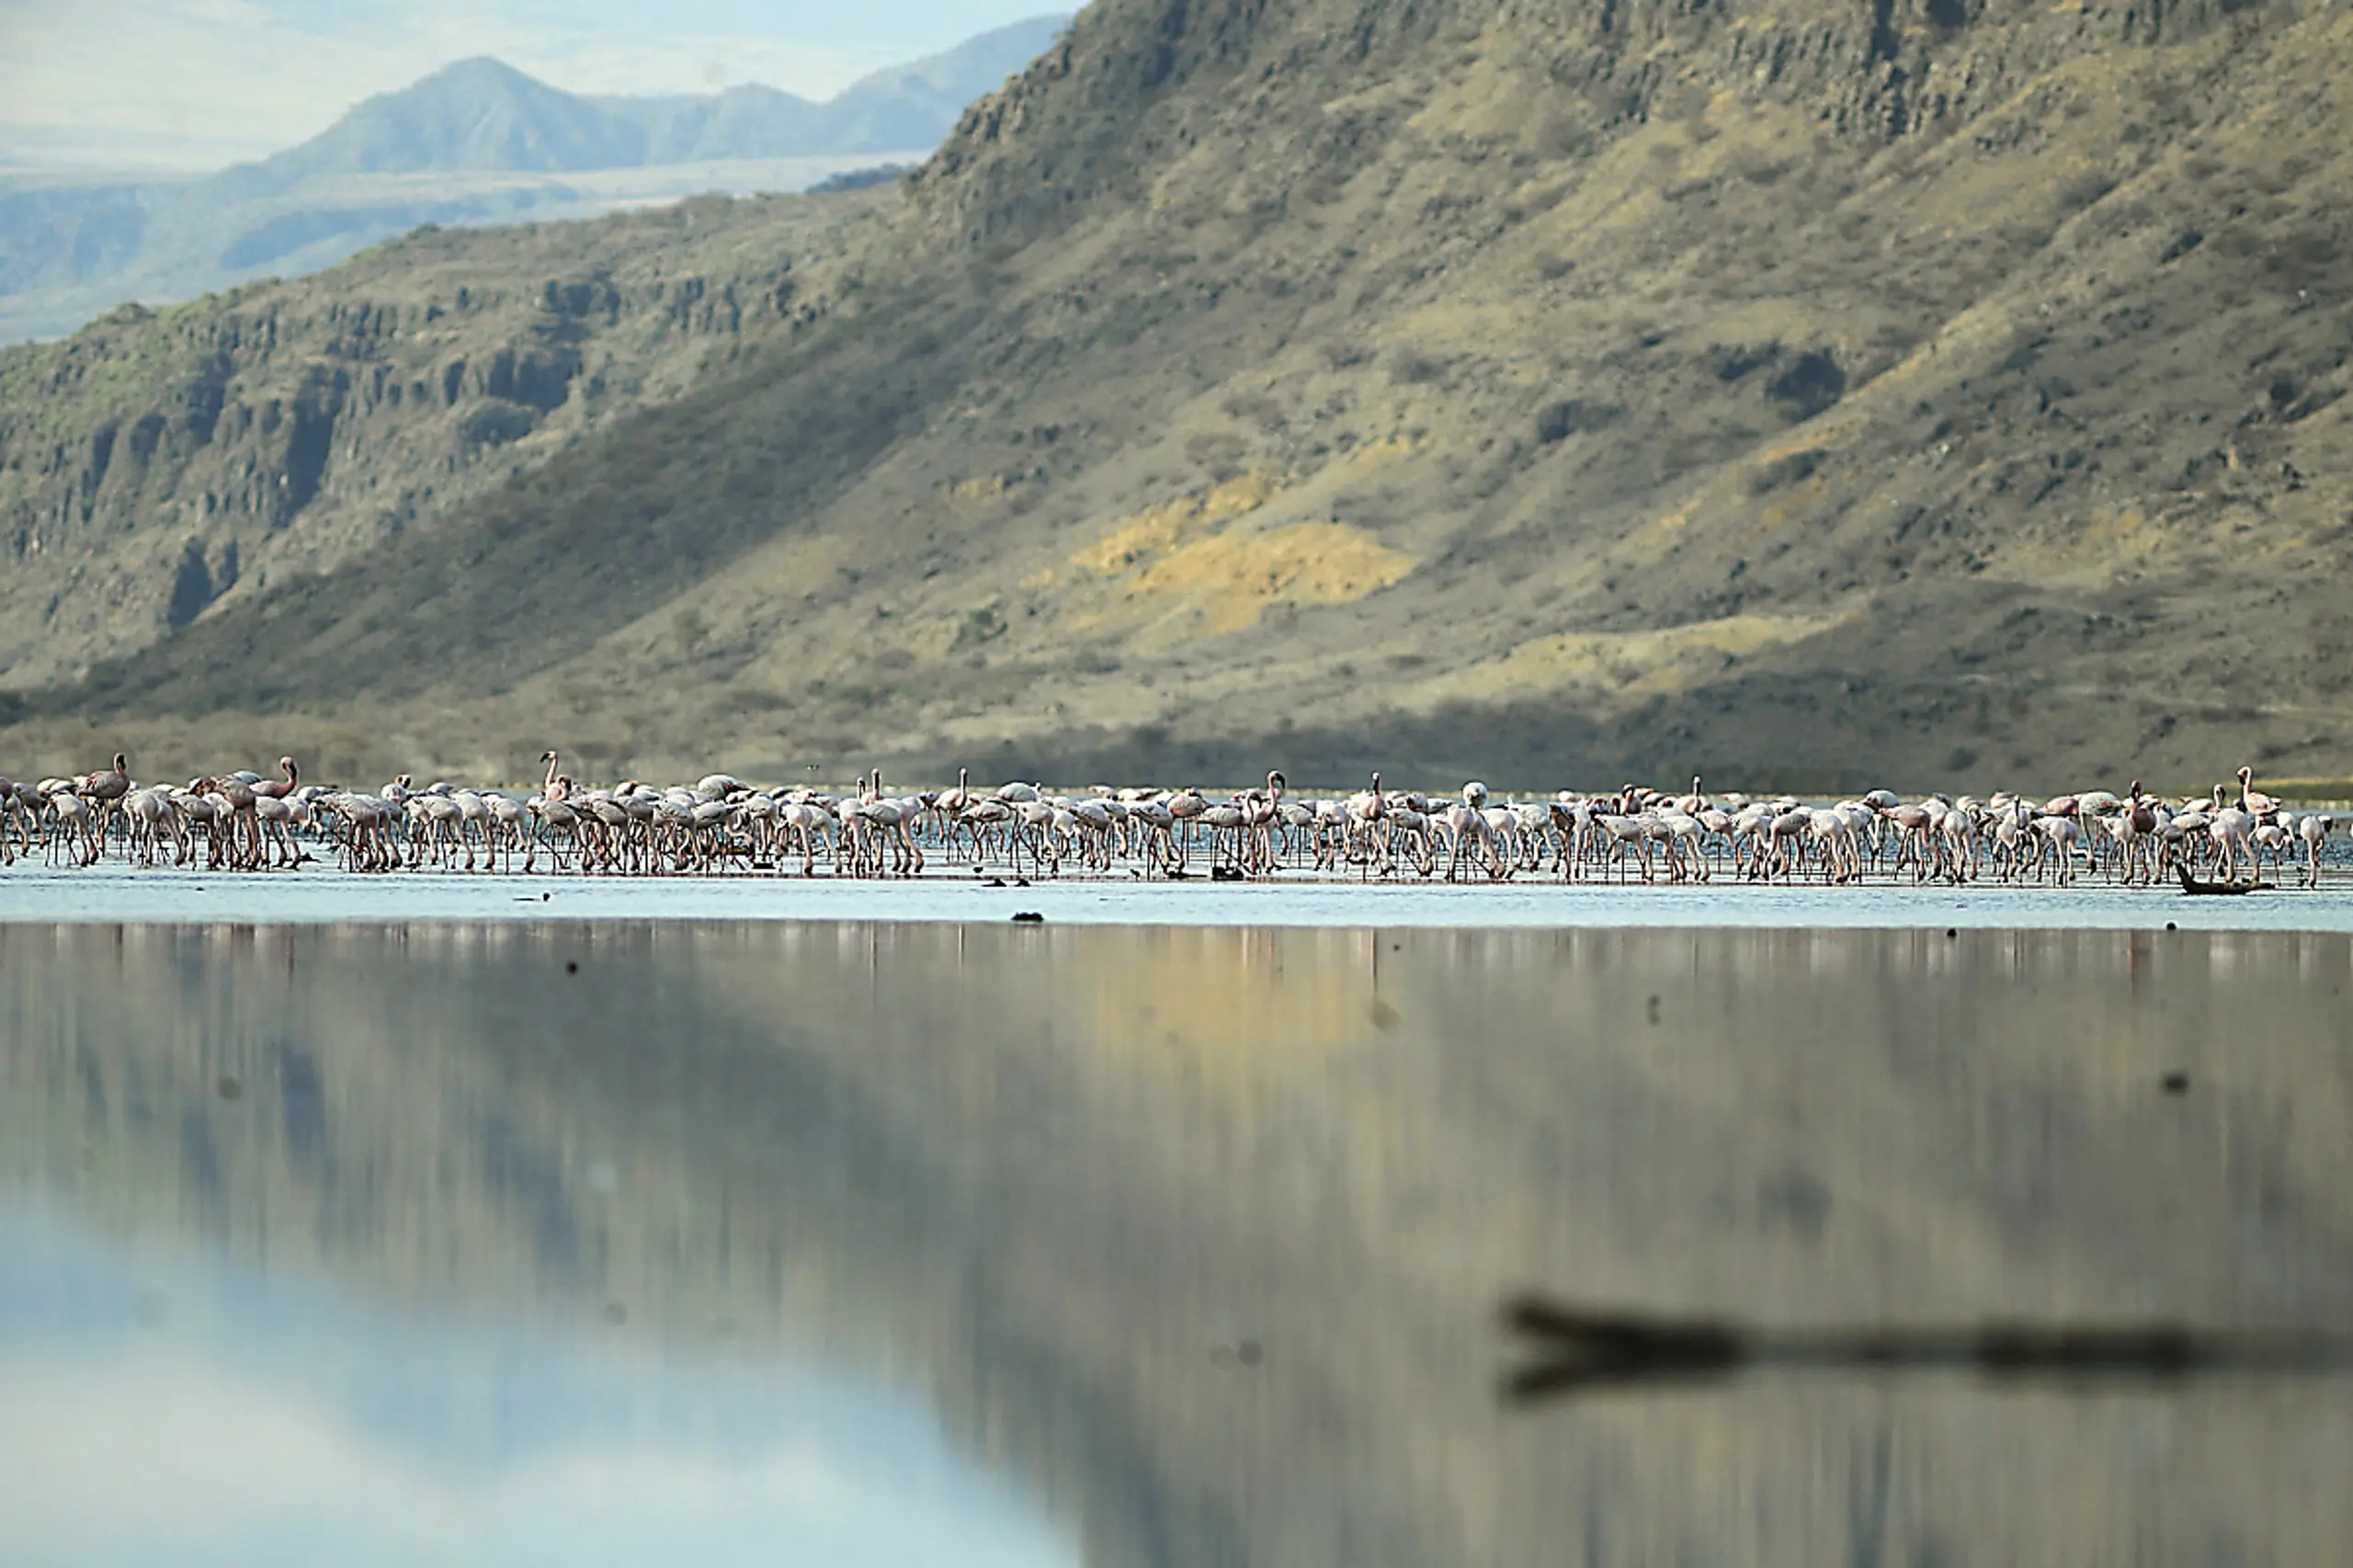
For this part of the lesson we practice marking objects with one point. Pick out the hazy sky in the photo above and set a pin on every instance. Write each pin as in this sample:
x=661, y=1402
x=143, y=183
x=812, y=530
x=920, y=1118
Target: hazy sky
x=198, y=83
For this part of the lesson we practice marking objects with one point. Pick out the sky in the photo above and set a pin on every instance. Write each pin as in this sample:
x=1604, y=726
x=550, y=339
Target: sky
x=198, y=83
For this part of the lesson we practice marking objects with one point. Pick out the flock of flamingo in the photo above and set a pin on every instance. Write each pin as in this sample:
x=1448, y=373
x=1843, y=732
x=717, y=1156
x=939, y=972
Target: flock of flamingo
x=721, y=824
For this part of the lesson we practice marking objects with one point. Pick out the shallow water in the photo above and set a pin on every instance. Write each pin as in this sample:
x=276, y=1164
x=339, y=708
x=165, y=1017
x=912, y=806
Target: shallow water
x=871, y=1242
x=310, y=897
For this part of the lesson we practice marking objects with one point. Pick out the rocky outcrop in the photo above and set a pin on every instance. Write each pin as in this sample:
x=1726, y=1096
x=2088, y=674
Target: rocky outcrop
x=153, y=464
x=1102, y=112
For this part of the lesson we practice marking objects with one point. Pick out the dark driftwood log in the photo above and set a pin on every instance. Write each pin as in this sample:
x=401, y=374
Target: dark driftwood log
x=2197, y=889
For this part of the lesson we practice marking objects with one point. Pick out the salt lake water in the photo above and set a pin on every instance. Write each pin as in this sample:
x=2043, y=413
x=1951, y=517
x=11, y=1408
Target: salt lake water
x=118, y=894
x=557, y=1237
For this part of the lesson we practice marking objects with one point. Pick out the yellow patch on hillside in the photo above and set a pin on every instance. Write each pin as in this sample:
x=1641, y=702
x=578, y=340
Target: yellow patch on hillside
x=1183, y=570
x=1137, y=540
x=1824, y=434
x=1618, y=669
x=2124, y=528
x=980, y=491
x=1229, y=579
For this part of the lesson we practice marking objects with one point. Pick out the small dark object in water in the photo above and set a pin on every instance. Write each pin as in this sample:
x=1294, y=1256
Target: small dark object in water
x=1247, y=1352
x=1951, y=934
x=2199, y=889
x=1022, y=881
x=993, y=882
x=544, y=897
x=2176, y=1083
x=228, y=1088
x=571, y=966
x=1652, y=1010
x=1177, y=876
x=1225, y=873
x=2171, y=926
x=1029, y=918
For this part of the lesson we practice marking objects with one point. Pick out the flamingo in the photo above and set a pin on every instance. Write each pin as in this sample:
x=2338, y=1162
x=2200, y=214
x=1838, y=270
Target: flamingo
x=105, y=791
x=1364, y=810
x=2313, y=828
x=2252, y=801
x=275, y=790
x=2232, y=829
x=722, y=824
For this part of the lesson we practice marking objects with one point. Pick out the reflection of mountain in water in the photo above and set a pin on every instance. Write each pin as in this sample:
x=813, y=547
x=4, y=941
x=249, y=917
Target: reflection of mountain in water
x=1056, y=1180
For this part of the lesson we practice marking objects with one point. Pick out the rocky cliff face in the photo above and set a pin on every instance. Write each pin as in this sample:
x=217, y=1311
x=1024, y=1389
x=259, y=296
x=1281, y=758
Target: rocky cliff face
x=1134, y=88
x=157, y=464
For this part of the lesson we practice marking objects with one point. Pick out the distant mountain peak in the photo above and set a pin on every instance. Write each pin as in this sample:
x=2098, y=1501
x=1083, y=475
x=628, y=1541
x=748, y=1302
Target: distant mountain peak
x=474, y=121
x=479, y=67
x=481, y=114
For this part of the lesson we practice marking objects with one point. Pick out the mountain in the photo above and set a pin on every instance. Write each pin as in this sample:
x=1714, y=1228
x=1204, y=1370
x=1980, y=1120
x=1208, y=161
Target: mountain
x=895, y=108
x=481, y=116
x=1936, y=394
x=733, y=124
x=476, y=142
x=911, y=105
x=297, y=426
x=475, y=114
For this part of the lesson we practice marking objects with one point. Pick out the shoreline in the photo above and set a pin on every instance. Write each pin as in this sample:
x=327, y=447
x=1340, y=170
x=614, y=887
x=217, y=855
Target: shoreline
x=98, y=896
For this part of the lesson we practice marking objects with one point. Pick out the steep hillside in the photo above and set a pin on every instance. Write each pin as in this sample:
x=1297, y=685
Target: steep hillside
x=1823, y=391
x=159, y=465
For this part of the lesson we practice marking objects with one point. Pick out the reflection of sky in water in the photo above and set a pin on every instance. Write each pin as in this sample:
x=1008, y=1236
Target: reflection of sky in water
x=164, y=1410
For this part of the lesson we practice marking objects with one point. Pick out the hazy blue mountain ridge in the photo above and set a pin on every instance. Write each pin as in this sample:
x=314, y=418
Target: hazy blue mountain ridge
x=894, y=110
x=476, y=142
x=477, y=114
x=58, y=236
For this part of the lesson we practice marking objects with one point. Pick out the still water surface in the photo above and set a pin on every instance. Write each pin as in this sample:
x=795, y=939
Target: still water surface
x=575, y=1242
x=115, y=894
